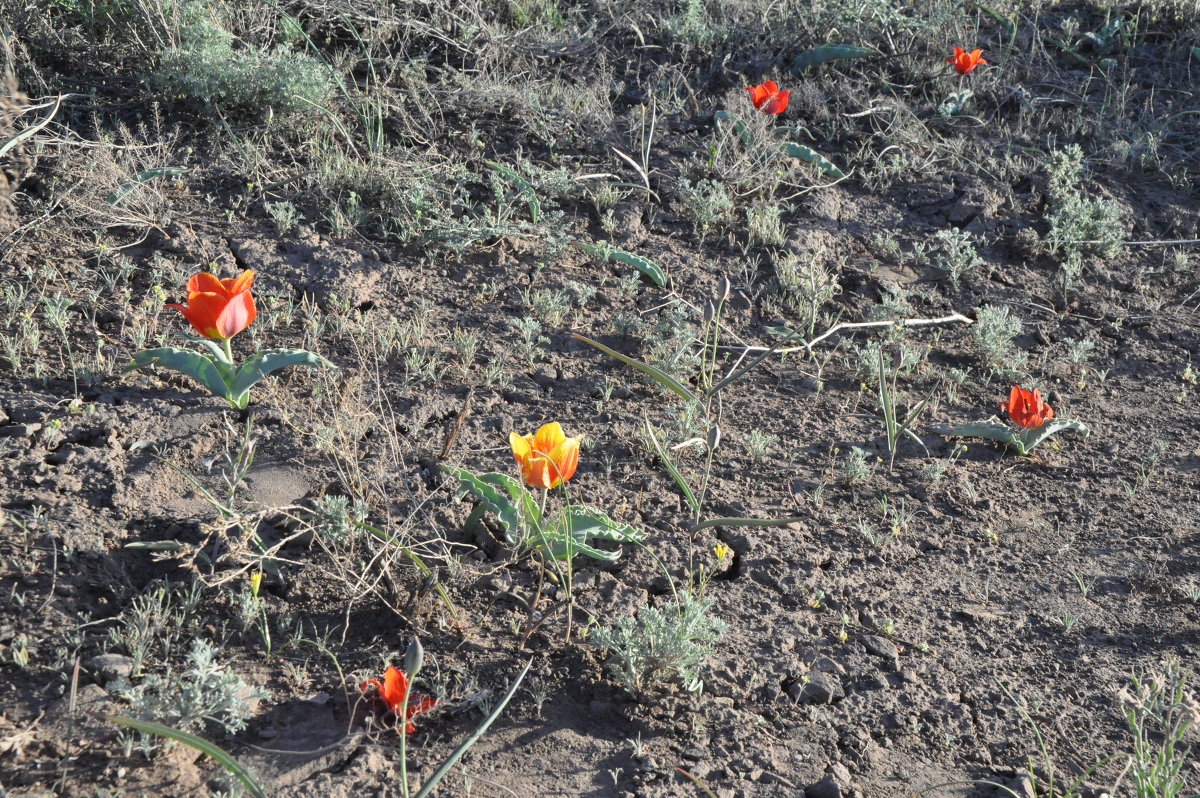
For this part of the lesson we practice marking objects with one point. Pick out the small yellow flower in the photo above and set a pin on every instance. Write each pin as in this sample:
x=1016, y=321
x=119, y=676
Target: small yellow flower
x=255, y=583
x=722, y=551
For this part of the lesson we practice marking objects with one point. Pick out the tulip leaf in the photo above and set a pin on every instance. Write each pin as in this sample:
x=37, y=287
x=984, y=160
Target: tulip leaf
x=955, y=102
x=263, y=363
x=197, y=365
x=488, y=495
x=1023, y=441
x=222, y=757
x=793, y=150
x=739, y=125
x=643, y=265
x=518, y=494
x=121, y=191
x=535, y=208
x=588, y=522
x=829, y=52
x=1033, y=436
x=658, y=375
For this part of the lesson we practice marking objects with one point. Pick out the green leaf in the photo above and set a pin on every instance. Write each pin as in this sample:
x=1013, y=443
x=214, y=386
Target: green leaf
x=268, y=360
x=197, y=365
x=222, y=757
x=535, y=208
x=1196, y=51
x=739, y=125
x=829, y=52
x=493, y=499
x=692, y=501
x=1035, y=435
x=643, y=265
x=526, y=505
x=659, y=376
x=118, y=194
x=589, y=522
x=955, y=102
x=466, y=744
x=793, y=150
x=990, y=429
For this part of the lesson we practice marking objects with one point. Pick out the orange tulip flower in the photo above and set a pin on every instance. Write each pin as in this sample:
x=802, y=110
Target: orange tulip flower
x=392, y=690
x=1026, y=408
x=219, y=308
x=964, y=62
x=768, y=98
x=546, y=459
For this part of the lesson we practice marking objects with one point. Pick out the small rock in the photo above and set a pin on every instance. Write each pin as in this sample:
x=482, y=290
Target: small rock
x=825, y=788
x=694, y=754
x=20, y=430
x=880, y=646
x=819, y=688
x=110, y=667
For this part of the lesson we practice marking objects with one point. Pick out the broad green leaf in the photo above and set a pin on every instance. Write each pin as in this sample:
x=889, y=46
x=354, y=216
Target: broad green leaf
x=560, y=549
x=1032, y=437
x=955, y=102
x=829, y=52
x=118, y=194
x=643, y=265
x=535, y=208
x=589, y=522
x=196, y=365
x=495, y=501
x=268, y=360
x=520, y=496
x=222, y=757
x=793, y=150
x=738, y=124
x=172, y=546
x=990, y=429
x=659, y=376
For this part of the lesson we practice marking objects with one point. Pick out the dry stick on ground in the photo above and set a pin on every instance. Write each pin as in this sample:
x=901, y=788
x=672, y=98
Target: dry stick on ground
x=847, y=325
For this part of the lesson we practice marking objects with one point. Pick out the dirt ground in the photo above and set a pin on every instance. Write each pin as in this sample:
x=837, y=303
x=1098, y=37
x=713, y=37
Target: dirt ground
x=951, y=622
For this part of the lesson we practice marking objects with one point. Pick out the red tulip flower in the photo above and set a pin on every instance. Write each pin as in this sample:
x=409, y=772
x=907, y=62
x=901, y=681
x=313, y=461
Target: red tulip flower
x=768, y=98
x=218, y=308
x=1026, y=408
x=393, y=691
x=964, y=62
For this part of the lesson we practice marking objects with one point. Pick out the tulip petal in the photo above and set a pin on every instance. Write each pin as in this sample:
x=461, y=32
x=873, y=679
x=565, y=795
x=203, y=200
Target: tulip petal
x=205, y=283
x=236, y=315
x=548, y=437
x=236, y=285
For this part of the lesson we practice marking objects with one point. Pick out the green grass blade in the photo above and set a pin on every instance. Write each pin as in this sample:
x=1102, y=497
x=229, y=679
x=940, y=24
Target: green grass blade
x=34, y=128
x=829, y=52
x=222, y=757
x=457, y=754
x=692, y=501
x=643, y=265
x=658, y=375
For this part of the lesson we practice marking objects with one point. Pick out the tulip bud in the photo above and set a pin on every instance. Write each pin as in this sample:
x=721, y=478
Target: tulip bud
x=710, y=312
x=414, y=658
x=723, y=288
x=714, y=437
x=255, y=583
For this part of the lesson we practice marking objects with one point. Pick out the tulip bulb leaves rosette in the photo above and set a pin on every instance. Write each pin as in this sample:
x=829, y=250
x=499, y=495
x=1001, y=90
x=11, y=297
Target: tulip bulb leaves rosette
x=546, y=459
x=219, y=309
x=1030, y=414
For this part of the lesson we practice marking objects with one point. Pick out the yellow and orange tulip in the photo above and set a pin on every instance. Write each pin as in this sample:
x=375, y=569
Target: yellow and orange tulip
x=547, y=458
